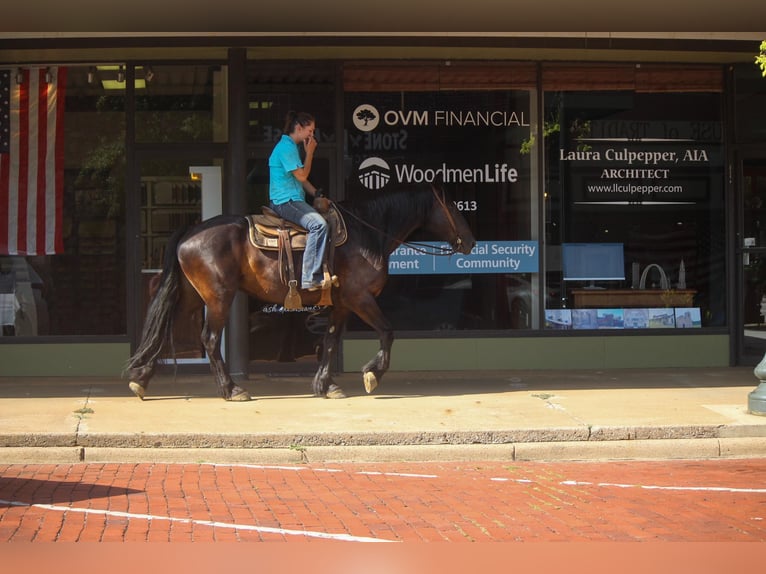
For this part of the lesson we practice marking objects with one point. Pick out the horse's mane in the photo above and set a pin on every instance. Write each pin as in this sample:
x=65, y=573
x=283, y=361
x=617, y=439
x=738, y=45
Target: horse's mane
x=389, y=213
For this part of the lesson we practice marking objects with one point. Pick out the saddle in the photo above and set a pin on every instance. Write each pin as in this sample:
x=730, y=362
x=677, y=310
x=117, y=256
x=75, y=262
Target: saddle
x=269, y=232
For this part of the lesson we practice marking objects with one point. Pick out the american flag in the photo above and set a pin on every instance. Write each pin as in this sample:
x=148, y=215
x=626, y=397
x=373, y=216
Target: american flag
x=31, y=161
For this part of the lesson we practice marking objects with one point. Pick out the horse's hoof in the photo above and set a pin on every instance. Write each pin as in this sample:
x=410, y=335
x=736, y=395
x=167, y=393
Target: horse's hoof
x=370, y=381
x=336, y=393
x=240, y=397
x=137, y=389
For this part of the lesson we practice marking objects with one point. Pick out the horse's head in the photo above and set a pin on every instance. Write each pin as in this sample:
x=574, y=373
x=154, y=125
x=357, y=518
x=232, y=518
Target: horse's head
x=446, y=221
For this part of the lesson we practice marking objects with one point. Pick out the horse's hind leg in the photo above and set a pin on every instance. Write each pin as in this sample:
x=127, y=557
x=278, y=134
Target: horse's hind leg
x=211, y=339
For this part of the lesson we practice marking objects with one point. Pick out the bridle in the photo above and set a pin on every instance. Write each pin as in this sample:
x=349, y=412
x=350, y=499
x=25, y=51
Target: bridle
x=451, y=220
x=424, y=248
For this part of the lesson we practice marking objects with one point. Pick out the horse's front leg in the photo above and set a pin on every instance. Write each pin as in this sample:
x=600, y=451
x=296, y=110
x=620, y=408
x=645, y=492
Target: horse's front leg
x=371, y=314
x=211, y=339
x=323, y=384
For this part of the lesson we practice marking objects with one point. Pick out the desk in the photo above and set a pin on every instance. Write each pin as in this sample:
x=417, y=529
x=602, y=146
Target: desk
x=617, y=298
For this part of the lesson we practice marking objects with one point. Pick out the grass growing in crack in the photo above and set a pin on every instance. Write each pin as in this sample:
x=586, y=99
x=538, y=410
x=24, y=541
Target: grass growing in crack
x=300, y=449
x=83, y=411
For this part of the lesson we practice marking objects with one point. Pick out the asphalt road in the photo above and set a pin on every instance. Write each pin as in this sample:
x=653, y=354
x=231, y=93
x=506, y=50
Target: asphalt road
x=662, y=501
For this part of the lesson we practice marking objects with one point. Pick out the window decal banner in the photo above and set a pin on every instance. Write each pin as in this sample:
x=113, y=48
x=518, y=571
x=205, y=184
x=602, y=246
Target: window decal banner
x=486, y=257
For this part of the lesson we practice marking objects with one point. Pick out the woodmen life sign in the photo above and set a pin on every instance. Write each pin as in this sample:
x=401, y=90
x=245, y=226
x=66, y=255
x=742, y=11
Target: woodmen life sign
x=468, y=140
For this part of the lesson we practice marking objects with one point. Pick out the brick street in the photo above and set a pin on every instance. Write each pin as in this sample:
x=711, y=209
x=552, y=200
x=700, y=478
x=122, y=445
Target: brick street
x=691, y=501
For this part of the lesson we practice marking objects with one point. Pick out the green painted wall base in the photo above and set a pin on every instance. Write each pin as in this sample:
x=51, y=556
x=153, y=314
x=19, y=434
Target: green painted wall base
x=64, y=360
x=108, y=359
x=544, y=353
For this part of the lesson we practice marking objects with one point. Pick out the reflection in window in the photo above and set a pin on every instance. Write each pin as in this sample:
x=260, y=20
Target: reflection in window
x=276, y=87
x=644, y=170
x=80, y=291
x=181, y=103
x=476, y=142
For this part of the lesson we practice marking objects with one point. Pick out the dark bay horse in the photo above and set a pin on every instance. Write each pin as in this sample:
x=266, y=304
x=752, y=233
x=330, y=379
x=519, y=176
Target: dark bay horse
x=206, y=264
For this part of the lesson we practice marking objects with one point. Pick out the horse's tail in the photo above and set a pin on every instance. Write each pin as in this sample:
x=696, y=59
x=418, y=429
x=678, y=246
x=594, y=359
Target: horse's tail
x=158, y=325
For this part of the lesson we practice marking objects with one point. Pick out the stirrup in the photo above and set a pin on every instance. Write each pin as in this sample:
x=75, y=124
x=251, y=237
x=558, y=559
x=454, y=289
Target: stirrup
x=293, y=299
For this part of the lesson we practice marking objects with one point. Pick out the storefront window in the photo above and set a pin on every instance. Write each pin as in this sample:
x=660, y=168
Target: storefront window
x=71, y=280
x=275, y=88
x=438, y=127
x=634, y=206
x=181, y=103
x=750, y=89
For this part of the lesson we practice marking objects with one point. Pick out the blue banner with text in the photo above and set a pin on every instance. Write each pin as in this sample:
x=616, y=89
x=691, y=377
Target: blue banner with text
x=486, y=257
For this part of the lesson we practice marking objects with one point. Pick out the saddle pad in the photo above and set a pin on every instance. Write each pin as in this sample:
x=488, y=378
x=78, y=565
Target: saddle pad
x=264, y=230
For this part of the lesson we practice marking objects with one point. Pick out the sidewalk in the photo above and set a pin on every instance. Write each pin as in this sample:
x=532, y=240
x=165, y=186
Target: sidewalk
x=494, y=415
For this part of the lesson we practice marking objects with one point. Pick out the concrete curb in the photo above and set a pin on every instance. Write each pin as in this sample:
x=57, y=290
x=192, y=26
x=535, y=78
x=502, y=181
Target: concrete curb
x=574, y=435
x=665, y=449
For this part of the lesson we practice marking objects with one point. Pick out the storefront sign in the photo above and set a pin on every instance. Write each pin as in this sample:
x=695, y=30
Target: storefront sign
x=486, y=257
x=650, y=163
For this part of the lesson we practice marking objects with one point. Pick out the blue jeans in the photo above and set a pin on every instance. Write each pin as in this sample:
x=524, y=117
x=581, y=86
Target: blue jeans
x=307, y=217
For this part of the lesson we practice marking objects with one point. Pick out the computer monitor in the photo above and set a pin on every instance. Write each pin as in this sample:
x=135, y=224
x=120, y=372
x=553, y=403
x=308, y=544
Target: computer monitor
x=593, y=261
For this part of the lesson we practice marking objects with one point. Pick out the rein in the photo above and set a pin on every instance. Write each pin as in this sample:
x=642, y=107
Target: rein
x=414, y=245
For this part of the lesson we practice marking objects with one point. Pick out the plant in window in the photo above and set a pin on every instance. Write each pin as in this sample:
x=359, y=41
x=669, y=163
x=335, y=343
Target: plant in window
x=550, y=127
x=760, y=59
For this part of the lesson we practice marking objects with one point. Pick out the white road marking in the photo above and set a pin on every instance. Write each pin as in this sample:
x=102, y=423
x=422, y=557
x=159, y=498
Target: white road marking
x=248, y=527
x=642, y=486
x=657, y=487
x=402, y=474
x=520, y=480
x=272, y=467
x=365, y=472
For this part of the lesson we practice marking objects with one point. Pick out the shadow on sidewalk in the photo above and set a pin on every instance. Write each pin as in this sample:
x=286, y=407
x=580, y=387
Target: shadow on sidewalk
x=27, y=491
x=395, y=384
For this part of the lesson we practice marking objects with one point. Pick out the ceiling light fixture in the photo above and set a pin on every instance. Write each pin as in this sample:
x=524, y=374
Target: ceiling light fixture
x=121, y=74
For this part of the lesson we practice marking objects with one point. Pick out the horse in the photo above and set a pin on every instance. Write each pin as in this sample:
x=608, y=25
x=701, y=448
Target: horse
x=206, y=264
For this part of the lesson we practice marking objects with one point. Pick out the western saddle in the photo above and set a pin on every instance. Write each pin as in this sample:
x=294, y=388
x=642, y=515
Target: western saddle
x=269, y=232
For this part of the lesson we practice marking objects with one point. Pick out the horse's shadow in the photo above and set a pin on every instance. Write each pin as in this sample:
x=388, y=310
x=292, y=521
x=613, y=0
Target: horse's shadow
x=29, y=491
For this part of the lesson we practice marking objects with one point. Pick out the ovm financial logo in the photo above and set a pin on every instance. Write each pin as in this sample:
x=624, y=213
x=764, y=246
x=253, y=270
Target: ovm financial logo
x=366, y=117
x=374, y=173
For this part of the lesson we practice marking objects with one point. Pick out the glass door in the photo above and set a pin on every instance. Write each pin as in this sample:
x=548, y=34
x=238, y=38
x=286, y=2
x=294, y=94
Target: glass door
x=752, y=262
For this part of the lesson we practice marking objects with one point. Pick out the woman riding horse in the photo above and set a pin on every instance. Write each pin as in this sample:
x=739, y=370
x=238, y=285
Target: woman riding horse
x=206, y=265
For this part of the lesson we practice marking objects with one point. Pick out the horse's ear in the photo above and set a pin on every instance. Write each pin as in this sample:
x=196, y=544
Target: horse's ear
x=439, y=190
x=437, y=187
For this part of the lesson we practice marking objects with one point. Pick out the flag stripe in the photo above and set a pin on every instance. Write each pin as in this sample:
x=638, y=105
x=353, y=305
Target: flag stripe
x=5, y=163
x=31, y=173
x=55, y=237
x=37, y=199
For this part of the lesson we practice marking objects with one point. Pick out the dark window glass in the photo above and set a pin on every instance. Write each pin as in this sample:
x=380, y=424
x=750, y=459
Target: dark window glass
x=181, y=103
x=81, y=291
x=275, y=88
x=750, y=89
x=644, y=170
x=477, y=142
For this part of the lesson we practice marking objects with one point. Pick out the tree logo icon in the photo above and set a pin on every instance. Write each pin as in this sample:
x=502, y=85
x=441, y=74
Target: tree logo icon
x=366, y=117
